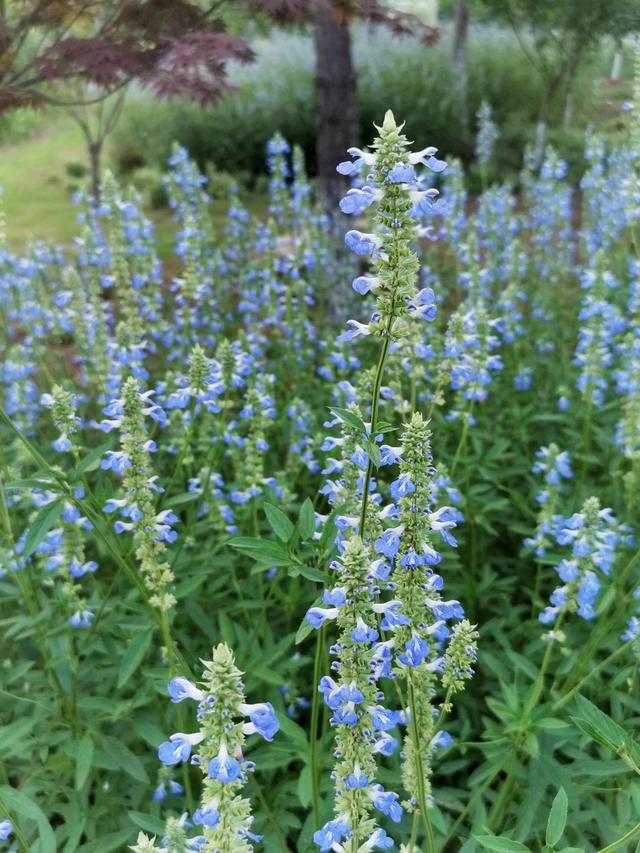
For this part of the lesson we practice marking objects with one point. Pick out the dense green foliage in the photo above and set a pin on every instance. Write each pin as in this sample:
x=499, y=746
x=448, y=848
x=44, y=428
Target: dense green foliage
x=416, y=81
x=535, y=343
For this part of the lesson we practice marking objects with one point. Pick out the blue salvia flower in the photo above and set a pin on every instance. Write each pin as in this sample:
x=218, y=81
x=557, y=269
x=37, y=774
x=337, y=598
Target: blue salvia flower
x=225, y=720
x=152, y=530
x=555, y=466
x=419, y=629
x=593, y=535
x=627, y=378
x=548, y=221
x=392, y=184
x=600, y=323
x=63, y=405
x=487, y=135
x=354, y=701
x=279, y=173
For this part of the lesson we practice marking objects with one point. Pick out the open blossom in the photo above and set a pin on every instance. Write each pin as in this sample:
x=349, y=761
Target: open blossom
x=151, y=529
x=225, y=720
x=593, y=536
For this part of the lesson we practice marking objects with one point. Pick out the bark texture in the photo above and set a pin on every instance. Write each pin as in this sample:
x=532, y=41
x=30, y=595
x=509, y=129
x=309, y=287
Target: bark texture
x=336, y=115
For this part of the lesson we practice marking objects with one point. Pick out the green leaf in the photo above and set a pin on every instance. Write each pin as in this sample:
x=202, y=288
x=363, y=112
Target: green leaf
x=279, y=523
x=41, y=525
x=304, y=787
x=374, y=453
x=598, y=725
x=262, y=550
x=312, y=573
x=124, y=758
x=147, y=822
x=182, y=498
x=382, y=427
x=18, y=802
x=307, y=520
x=348, y=417
x=551, y=723
x=501, y=844
x=295, y=733
x=92, y=460
x=13, y=736
x=84, y=757
x=303, y=631
x=557, y=818
x=107, y=843
x=134, y=656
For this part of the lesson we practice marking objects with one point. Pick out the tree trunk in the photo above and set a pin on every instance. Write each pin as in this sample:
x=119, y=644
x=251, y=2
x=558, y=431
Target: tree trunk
x=572, y=73
x=336, y=116
x=95, y=151
x=459, y=57
x=616, y=65
x=550, y=91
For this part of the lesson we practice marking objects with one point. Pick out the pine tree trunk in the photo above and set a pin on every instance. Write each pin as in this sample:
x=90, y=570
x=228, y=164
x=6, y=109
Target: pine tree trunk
x=336, y=117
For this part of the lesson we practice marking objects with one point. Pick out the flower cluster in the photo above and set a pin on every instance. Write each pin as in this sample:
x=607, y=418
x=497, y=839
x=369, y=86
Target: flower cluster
x=63, y=407
x=487, y=134
x=555, y=466
x=361, y=722
x=217, y=748
x=392, y=184
x=151, y=530
x=593, y=535
x=386, y=548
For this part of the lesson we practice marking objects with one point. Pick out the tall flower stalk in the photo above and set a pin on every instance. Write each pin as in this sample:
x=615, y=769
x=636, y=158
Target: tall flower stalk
x=375, y=558
x=392, y=186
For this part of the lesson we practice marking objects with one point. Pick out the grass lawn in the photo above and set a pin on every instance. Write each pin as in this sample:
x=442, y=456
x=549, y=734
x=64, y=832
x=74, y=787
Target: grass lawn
x=37, y=190
x=36, y=187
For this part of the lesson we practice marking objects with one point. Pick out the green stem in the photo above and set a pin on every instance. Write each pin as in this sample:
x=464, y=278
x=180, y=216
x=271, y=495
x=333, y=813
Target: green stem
x=313, y=734
x=461, y=444
x=616, y=845
x=414, y=834
x=568, y=696
x=422, y=796
x=472, y=802
x=375, y=404
x=507, y=786
x=282, y=841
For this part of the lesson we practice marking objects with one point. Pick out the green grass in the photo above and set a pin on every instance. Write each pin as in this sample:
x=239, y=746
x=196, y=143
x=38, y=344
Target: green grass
x=37, y=190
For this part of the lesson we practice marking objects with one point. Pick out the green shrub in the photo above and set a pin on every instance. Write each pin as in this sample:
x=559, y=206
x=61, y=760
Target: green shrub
x=276, y=92
x=18, y=125
x=75, y=170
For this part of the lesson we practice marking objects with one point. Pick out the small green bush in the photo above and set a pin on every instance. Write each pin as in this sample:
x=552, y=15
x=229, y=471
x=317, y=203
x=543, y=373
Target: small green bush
x=415, y=81
x=18, y=125
x=75, y=170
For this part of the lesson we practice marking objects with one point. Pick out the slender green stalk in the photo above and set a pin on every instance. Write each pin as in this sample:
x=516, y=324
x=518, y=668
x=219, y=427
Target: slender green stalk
x=414, y=833
x=507, y=786
x=422, y=797
x=313, y=733
x=621, y=842
x=375, y=403
x=461, y=444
